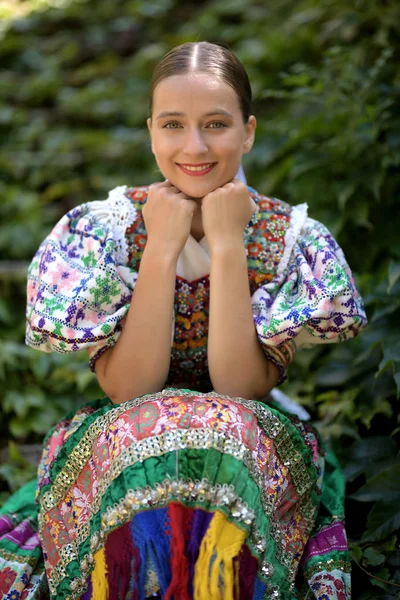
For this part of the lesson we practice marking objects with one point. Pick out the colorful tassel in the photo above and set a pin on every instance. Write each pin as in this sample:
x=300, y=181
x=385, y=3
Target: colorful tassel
x=200, y=524
x=151, y=538
x=99, y=576
x=119, y=553
x=88, y=595
x=215, y=571
x=180, y=521
x=259, y=590
x=247, y=567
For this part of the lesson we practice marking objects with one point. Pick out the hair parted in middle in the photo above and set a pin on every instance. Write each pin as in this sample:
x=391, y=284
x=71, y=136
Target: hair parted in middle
x=205, y=57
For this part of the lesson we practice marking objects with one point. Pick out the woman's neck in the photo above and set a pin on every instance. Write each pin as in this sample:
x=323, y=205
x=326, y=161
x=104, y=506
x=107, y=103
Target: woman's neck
x=197, y=230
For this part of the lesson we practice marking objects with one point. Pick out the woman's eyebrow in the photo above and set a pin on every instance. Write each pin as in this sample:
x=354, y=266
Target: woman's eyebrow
x=219, y=111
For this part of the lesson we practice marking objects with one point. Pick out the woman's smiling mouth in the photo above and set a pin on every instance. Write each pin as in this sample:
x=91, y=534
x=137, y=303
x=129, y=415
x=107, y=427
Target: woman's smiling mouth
x=196, y=170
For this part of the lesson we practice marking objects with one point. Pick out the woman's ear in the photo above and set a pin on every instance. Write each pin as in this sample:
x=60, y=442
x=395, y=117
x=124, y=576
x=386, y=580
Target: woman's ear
x=250, y=134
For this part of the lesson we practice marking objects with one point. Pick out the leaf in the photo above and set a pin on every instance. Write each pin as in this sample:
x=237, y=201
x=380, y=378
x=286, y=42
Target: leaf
x=368, y=455
x=384, y=575
x=15, y=455
x=391, y=358
x=384, y=486
x=356, y=552
x=383, y=519
x=372, y=557
x=378, y=405
x=394, y=560
x=383, y=311
x=394, y=274
x=14, y=402
x=345, y=193
x=83, y=379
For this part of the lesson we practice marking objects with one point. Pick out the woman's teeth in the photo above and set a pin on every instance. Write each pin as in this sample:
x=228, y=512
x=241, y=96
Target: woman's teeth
x=200, y=168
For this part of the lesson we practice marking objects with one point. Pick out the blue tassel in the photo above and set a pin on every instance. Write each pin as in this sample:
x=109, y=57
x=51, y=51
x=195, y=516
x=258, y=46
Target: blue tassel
x=259, y=589
x=150, y=536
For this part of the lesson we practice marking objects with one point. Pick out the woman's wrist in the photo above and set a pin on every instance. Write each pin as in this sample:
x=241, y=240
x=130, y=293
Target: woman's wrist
x=228, y=246
x=160, y=255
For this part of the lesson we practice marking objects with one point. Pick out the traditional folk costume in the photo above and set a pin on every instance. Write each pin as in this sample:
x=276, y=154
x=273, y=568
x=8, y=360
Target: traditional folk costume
x=184, y=493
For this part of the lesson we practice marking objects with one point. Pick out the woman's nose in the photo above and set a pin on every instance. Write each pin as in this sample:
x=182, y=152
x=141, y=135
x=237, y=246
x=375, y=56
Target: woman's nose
x=194, y=142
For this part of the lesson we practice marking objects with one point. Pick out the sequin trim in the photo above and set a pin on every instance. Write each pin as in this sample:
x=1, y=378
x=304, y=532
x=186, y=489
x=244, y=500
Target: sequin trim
x=329, y=565
x=28, y=560
x=271, y=425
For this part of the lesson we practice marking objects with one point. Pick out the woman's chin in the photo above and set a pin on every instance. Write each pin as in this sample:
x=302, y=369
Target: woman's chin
x=199, y=189
x=194, y=192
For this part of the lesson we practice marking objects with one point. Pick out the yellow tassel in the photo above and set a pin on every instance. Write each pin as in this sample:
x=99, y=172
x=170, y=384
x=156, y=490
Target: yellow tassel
x=99, y=576
x=214, y=577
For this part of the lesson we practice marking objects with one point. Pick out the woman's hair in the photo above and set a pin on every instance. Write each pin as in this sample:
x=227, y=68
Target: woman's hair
x=205, y=57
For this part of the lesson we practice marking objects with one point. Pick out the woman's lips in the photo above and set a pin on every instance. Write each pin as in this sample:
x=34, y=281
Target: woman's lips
x=197, y=172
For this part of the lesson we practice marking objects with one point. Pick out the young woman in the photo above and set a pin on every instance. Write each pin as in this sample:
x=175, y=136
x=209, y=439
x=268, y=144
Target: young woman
x=191, y=296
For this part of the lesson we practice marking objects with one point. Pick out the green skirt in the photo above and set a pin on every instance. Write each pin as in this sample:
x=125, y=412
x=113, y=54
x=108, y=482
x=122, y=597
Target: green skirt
x=182, y=495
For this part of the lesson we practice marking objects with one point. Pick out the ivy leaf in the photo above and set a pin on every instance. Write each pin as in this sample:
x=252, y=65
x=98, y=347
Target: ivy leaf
x=384, y=575
x=15, y=454
x=391, y=358
x=369, y=456
x=385, y=485
x=383, y=519
x=373, y=557
x=394, y=275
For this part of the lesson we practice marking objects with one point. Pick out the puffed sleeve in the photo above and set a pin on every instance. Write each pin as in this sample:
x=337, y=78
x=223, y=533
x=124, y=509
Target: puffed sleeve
x=79, y=284
x=312, y=300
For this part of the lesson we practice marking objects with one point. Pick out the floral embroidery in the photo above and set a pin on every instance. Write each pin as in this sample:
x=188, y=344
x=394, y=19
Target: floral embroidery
x=7, y=578
x=331, y=586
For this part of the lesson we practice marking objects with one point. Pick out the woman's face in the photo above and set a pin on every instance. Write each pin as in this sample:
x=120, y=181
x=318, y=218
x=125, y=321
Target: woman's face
x=197, y=132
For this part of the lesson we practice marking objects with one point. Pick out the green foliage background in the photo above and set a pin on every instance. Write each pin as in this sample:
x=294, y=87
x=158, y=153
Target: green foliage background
x=326, y=79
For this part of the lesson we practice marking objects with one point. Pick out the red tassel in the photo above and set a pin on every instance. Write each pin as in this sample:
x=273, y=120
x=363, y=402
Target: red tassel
x=119, y=553
x=248, y=566
x=180, y=520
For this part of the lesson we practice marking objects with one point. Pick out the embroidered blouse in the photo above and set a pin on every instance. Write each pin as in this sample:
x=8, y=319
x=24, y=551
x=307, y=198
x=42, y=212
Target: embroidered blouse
x=82, y=278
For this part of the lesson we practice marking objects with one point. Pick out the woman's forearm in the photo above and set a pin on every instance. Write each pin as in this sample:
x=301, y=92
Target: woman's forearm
x=237, y=364
x=139, y=362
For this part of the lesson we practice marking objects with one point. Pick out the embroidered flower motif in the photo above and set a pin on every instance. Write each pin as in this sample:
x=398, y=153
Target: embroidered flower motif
x=7, y=578
x=144, y=419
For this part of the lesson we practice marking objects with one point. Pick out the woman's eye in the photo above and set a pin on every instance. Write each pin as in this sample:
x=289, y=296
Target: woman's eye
x=171, y=125
x=216, y=125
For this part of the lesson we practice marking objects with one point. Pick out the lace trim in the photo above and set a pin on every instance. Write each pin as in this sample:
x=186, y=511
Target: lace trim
x=297, y=220
x=118, y=213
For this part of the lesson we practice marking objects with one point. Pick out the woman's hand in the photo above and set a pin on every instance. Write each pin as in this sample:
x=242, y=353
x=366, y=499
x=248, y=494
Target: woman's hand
x=168, y=216
x=225, y=214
